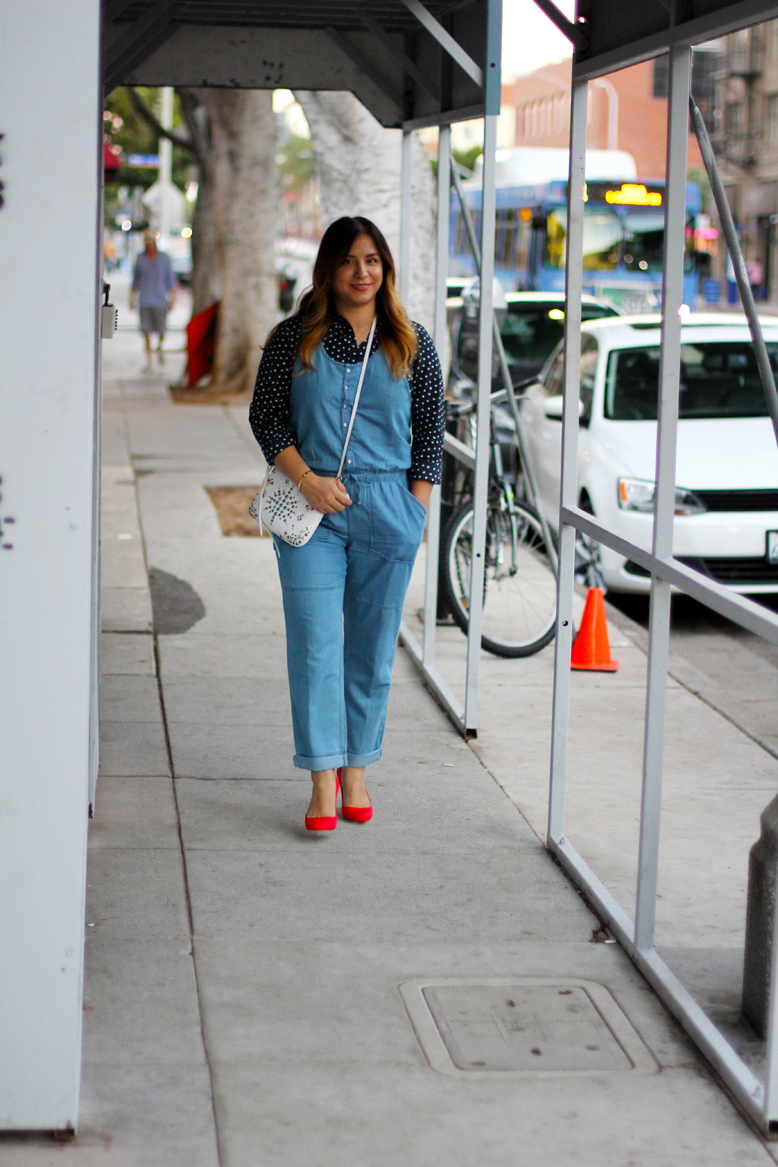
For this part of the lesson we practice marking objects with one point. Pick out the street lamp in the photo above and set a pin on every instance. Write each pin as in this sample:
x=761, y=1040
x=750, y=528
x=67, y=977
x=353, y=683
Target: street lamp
x=613, y=110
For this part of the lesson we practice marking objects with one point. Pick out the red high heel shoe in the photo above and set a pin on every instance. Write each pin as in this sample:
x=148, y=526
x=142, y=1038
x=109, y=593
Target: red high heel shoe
x=324, y=822
x=355, y=814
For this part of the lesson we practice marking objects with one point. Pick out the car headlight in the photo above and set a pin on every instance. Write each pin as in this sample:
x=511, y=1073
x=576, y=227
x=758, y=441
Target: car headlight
x=634, y=494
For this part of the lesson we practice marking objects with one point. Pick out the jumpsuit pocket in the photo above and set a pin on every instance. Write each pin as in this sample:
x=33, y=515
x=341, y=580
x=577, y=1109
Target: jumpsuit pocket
x=396, y=522
x=420, y=507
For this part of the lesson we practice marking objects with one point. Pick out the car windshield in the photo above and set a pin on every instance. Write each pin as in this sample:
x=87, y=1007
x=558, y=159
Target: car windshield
x=718, y=379
x=644, y=232
x=601, y=241
x=530, y=334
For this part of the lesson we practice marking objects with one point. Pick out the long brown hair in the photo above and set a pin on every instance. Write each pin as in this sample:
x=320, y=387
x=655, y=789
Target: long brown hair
x=317, y=306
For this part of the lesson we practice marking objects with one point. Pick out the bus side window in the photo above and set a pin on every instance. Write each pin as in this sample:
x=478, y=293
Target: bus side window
x=523, y=262
x=504, y=240
x=500, y=230
x=556, y=234
x=462, y=243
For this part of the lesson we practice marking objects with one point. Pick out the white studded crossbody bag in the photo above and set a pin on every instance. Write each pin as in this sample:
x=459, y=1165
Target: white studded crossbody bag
x=280, y=507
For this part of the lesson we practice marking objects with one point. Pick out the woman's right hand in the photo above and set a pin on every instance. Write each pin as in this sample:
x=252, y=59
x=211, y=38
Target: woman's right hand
x=327, y=495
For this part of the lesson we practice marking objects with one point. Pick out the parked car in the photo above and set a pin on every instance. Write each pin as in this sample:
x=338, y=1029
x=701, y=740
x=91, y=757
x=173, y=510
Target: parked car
x=531, y=326
x=726, y=501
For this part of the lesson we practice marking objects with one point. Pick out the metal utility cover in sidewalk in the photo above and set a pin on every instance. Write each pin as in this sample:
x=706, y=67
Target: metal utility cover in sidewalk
x=523, y=1026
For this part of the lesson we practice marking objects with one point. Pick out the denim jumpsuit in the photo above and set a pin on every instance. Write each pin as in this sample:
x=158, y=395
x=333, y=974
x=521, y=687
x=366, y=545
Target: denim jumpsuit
x=344, y=589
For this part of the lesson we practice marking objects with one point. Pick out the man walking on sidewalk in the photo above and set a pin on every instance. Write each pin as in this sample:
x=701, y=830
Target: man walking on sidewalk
x=155, y=284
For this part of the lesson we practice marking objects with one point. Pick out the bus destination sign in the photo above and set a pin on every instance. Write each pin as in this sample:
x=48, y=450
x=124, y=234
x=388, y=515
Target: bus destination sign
x=629, y=194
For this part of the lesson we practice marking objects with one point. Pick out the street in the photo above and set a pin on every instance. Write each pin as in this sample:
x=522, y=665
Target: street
x=731, y=669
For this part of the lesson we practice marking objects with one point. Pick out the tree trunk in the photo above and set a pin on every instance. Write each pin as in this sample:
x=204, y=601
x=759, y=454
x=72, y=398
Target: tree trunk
x=244, y=202
x=206, y=275
x=206, y=269
x=358, y=165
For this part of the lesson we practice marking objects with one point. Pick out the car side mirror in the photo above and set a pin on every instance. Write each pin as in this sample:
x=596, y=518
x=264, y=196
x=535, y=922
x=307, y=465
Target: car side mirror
x=553, y=407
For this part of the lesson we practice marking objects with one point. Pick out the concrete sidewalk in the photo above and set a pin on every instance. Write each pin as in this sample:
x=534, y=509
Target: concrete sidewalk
x=260, y=997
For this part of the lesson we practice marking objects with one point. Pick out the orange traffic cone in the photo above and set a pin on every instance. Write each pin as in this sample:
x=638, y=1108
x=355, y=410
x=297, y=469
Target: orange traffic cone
x=591, y=649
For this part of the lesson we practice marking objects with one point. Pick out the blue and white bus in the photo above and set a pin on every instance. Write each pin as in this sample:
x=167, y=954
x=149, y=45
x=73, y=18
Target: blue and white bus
x=623, y=227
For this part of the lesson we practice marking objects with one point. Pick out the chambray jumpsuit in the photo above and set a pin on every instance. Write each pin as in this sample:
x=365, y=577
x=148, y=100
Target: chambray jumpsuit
x=344, y=590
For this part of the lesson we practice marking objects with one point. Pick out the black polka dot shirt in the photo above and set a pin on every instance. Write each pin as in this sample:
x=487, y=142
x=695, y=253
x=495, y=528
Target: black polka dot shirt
x=269, y=412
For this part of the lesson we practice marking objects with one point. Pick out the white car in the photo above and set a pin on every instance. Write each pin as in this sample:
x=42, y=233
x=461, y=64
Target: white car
x=726, y=516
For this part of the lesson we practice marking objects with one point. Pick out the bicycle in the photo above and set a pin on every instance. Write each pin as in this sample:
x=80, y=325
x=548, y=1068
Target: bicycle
x=519, y=600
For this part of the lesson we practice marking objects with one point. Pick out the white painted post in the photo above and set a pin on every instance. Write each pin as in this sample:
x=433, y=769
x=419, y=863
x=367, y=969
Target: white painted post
x=165, y=164
x=405, y=214
x=49, y=271
x=569, y=493
x=432, y=582
x=664, y=505
x=483, y=414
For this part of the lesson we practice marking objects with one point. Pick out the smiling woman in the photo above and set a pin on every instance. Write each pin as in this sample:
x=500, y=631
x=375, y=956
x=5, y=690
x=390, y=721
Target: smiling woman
x=345, y=587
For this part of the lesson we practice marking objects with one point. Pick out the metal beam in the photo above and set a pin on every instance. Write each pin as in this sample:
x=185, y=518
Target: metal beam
x=664, y=506
x=493, y=58
x=113, y=10
x=740, y=1079
x=459, y=450
x=127, y=43
x=752, y=616
x=573, y=32
x=406, y=162
x=689, y=33
x=446, y=117
x=390, y=46
x=569, y=487
x=499, y=347
x=738, y=263
x=431, y=579
x=446, y=41
x=483, y=420
x=433, y=679
x=366, y=66
x=143, y=49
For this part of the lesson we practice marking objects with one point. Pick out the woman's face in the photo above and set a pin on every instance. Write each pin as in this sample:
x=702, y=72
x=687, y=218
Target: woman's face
x=356, y=282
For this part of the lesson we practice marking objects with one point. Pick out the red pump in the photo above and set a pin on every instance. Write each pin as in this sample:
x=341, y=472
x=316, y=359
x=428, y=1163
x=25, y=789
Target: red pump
x=355, y=814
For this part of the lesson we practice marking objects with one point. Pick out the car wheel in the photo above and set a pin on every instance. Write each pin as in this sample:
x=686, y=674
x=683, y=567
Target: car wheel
x=588, y=560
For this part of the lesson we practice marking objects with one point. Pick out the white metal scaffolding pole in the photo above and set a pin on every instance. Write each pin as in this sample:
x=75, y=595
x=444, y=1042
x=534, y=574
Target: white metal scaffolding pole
x=483, y=415
x=405, y=215
x=432, y=582
x=165, y=164
x=569, y=492
x=669, y=383
x=464, y=717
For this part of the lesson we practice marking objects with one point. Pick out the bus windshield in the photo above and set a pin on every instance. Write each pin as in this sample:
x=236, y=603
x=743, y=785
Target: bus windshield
x=601, y=244
x=644, y=231
x=718, y=379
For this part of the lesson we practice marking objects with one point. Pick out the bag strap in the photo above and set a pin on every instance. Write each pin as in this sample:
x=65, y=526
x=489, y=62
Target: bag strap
x=368, y=346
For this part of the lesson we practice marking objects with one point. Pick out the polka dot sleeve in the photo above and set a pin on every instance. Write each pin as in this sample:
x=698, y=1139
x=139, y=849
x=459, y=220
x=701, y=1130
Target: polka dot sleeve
x=428, y=410
x=269, y=412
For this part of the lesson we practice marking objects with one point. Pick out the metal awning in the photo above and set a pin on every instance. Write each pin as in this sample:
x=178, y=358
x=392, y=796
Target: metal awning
x=616, y=34
x=407, y=62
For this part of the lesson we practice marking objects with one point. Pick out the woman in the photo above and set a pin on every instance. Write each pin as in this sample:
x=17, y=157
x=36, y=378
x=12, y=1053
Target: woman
x=344, y=589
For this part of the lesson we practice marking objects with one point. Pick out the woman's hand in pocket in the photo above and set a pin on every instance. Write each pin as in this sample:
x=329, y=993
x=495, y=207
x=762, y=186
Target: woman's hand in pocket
x=327, y=495
x=421, y=491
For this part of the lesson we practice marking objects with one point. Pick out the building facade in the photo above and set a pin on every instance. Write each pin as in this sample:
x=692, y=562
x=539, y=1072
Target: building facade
x=745, y=137
x=627, y=111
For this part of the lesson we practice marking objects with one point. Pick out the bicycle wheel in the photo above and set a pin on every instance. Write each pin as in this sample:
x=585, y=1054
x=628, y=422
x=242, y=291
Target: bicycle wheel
x=588, y=559
x=519, y=583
